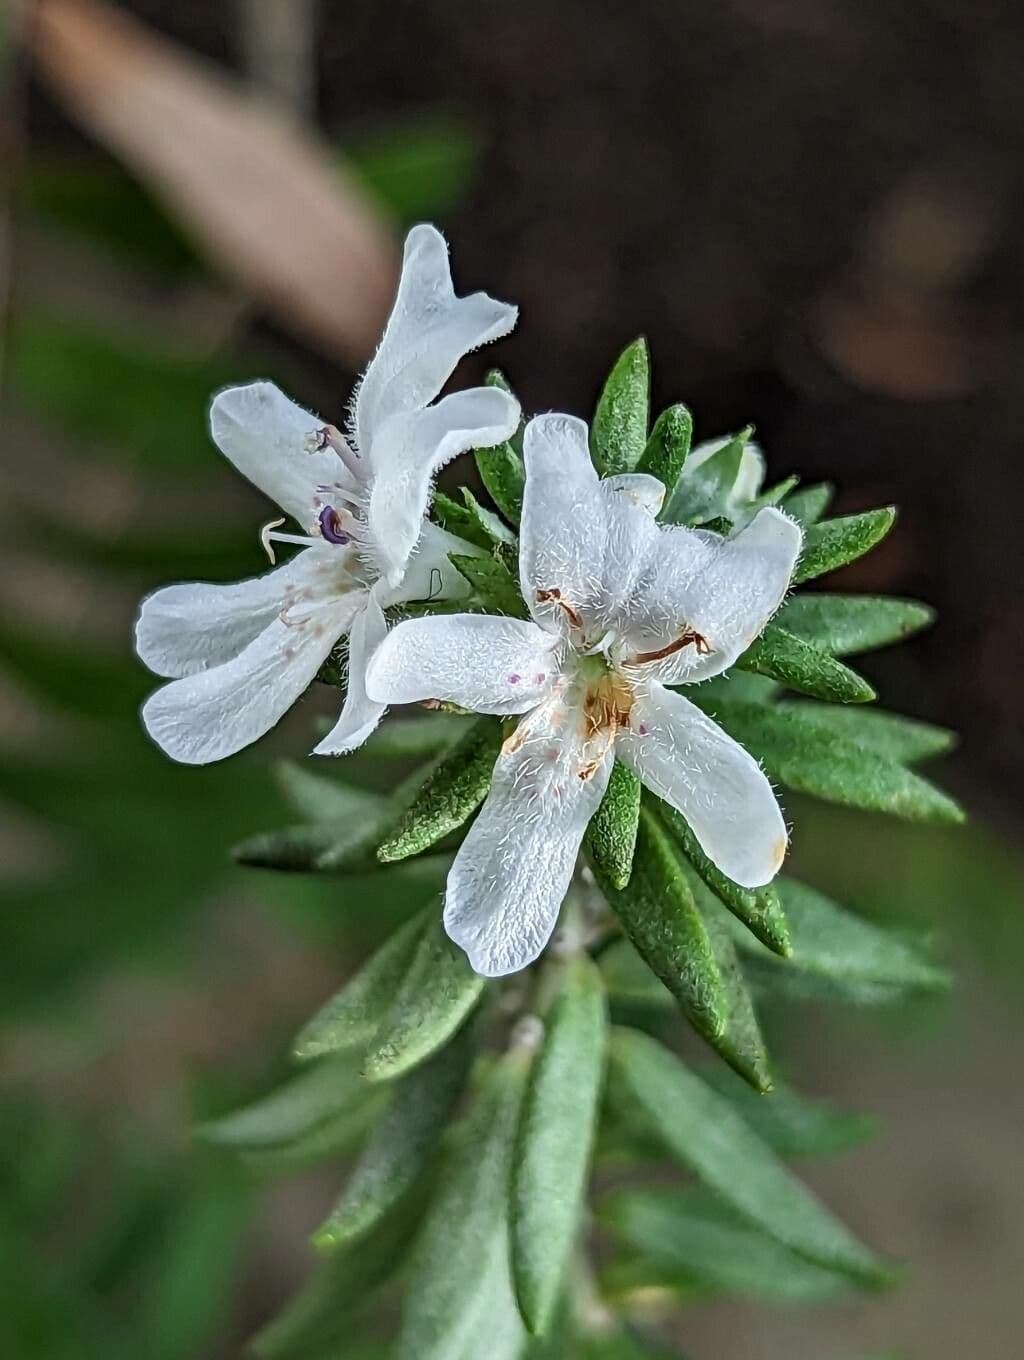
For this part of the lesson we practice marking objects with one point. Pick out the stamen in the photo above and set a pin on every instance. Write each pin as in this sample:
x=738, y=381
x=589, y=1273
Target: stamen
x=703, y=648
x=331, y=526
x=330, y=437
x=269, y=533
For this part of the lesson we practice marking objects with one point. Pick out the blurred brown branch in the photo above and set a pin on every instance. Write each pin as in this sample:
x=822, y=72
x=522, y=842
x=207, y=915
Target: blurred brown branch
x=263, y=198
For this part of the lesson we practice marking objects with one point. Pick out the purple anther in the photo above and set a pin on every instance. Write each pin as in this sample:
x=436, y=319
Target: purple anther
x=330, y=526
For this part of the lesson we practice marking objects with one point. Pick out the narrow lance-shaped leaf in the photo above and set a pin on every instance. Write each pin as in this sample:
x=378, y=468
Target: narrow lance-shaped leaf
x=433, y=999
x=414, y=738
x=491, y=525
x=790, y=1123
x=451, y=793
x=319, y=1319
x=666, y=449
x=885, y=734
x=556, y=1132
x=783, y=656
x=501, y=468
x=704, y=494
x=809, y=503
x=611, y=835
x=832, y=543
x=459, y=520
x=322, y=798
x=758, y=908
x=742, y=1044
x=691, y=1234
x=734, y=1162
x=832, y=942
x=400, y=1144
x=354, y=1014
x=458, y=1300
x=618, y=432
x=845, y=624
x=315, y=1112
x=837, y=770
x=495, y=589
x=658, y=914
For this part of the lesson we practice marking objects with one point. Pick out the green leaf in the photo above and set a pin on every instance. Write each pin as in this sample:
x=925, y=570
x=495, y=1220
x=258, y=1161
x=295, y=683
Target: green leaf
x=319, y=1319
x=321, y=847
x=692, y=1233
x=846, y=624
x=618, y=432
x=451, y=793
x=433, y=999
x=791, y=1124
x=458, y=1300
x=658, y=913
x=772, y=496
x=838, y=771
x=629, y=980
x=322, y=798
x=833, y=943
x=735, y=1162
x=400, y=1145
x=611, y=835
x=459, y=520
x=890, y=735
x=501, y=468
x=495, y=589
x=805, y=667
x=494, y=528
x=809, y=503
x=354, y=1014
x=556, y=1133
x=742, y=1044
x=704, y=494
x=308, y=1105
x=834, y=542
x=666, y=449
x=758, y=908
x=413, y=738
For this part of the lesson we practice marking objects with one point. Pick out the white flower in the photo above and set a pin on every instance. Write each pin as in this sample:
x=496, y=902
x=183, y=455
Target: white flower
x=697, y=494
x=240, y=655
x=622, y=607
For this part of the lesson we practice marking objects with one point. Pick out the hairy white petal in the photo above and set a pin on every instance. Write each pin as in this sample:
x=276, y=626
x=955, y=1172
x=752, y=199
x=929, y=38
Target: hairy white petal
x=640, y=488
x=631, y=501
x=409, y=450
x=360, y=714
x=514, y=868
x=726, y=589
x=187, y=628
x=263, y=433
x=482, y=662
x=430, y=574
x=563, y=531
x=428, y=332
x=685, y=758
x=214, y=713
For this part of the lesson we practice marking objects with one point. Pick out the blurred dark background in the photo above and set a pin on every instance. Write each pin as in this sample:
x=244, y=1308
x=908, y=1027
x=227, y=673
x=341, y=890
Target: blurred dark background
x=813, y=210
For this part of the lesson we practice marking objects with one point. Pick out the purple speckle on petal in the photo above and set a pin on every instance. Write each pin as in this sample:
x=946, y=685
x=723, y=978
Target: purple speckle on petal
x=643, y=729
x=330, y=526
x=514, y=679
x=539, y=679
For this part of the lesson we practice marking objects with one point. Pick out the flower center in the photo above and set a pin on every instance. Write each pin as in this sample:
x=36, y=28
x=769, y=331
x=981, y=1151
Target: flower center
x=607, y=703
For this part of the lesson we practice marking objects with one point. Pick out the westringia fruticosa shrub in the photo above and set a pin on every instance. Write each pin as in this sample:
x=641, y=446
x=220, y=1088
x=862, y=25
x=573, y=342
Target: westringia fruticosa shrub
x=619, y=676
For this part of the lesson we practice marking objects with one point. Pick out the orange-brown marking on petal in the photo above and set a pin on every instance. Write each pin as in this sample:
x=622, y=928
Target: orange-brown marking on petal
x=699, y=641
x=554, y=596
